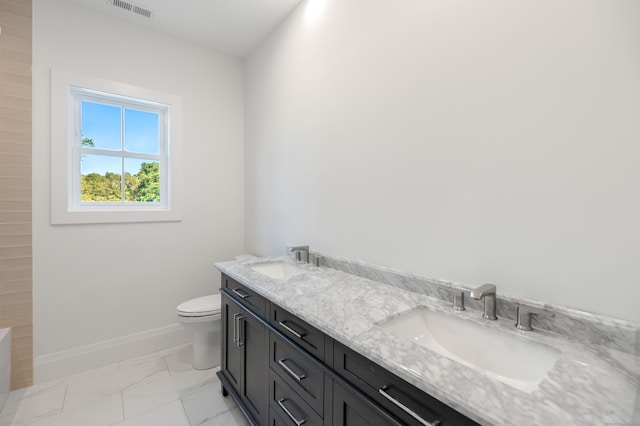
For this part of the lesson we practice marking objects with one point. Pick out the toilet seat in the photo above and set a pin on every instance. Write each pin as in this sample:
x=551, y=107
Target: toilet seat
x=200, y=307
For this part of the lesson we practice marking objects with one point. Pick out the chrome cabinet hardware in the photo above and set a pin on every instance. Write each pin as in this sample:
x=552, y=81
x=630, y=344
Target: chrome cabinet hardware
x=524, y=313
x=406, y=409
x=235, y=327
x=291, y=330
x=288, y=413
x=486, y=293
x=241, y=293
x=238, y=330
x=458, y=298
x=289, y=371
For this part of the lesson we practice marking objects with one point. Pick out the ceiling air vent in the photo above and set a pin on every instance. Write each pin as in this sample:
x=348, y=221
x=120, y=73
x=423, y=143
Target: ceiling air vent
x=130, y=7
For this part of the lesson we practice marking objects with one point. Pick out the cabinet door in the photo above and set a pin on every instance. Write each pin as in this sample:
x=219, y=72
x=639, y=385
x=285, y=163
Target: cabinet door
x=254, y=343
x=352, y=409
x=245, y=358
x=231, y=352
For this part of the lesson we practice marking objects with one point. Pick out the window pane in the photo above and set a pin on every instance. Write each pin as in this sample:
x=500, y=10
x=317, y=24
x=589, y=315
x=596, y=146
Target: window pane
x=101, y=178
x=140, y=131
x=101, y=126
x=142, y=180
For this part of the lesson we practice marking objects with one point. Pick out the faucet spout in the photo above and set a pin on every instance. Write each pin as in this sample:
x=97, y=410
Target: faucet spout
x=302, y=253
x=486, y=293
x=482, y=291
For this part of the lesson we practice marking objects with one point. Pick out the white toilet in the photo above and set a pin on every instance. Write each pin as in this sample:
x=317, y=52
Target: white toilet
x=202, y=316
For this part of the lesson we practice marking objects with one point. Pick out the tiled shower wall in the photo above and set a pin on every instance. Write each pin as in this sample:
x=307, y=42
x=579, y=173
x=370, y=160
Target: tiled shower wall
x=16, y=302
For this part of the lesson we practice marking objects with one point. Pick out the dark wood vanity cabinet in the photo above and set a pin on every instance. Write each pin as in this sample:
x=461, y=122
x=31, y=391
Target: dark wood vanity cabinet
x=280, y=370
x=245, y=359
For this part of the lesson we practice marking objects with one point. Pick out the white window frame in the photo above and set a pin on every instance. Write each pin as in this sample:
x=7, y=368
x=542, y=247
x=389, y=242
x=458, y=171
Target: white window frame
x=80, y=94
x=67, y=92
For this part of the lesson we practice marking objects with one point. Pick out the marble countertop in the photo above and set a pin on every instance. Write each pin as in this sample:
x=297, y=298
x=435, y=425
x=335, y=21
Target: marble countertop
x=588, y=385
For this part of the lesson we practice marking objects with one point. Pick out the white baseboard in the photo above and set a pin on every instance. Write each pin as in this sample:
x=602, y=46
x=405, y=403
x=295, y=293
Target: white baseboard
x=83, y=358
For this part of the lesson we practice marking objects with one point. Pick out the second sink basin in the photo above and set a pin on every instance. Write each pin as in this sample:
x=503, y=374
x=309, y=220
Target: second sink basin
x=508, y=357
x=277, y=269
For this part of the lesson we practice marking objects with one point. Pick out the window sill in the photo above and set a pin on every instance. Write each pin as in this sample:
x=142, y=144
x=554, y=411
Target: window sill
x=114, y=216
x=106, y=216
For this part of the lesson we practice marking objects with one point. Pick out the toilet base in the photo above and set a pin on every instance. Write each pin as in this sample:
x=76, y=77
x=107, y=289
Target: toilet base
x=206, y=350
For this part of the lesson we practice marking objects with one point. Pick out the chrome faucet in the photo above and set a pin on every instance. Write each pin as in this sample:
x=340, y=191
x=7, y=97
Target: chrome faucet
x=486, y=293
x=302, y=253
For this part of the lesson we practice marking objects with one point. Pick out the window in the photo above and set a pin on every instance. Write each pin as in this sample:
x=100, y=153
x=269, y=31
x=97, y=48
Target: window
x=114, y=156
x=119, y=150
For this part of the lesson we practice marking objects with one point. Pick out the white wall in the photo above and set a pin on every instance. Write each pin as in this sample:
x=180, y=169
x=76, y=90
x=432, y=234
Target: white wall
x=93, y=283
x=491, y=141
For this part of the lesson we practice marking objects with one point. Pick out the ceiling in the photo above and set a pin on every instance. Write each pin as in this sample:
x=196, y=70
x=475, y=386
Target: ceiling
x=233, y=27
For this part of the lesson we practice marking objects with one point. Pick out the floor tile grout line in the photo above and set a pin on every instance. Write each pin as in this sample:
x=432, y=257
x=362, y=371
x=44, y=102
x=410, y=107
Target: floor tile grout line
x=122, y=405
x=64, y=399
x=169, y=369
x=166, y=364
x=185, y=411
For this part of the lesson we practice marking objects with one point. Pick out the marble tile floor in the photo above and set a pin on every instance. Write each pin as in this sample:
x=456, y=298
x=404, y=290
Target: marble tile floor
x=159, y=389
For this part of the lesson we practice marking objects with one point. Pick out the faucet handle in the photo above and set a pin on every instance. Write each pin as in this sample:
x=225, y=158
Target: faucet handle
x=458, y=297
x=524, y=313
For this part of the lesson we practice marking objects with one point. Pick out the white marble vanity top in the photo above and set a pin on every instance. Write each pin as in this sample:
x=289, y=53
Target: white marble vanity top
x=588, y=385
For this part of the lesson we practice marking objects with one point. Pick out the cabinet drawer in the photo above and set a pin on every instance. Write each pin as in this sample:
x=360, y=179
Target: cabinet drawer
x=289, y=406
x=245, y=295
x=393, y=393
x=298, y=370
x=300, y=332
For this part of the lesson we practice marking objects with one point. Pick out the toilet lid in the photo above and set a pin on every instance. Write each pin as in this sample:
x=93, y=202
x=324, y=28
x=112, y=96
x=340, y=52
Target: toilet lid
x=201, y=306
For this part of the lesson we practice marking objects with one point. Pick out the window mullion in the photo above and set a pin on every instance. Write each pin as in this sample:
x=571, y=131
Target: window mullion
x=122, y=150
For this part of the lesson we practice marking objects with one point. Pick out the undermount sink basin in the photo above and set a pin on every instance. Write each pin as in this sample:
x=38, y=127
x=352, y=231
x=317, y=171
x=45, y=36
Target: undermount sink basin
x=507, y=357
x=277, y=269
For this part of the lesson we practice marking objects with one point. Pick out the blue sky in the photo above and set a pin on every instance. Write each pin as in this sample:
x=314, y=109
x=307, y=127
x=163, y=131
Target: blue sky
x=103, y=124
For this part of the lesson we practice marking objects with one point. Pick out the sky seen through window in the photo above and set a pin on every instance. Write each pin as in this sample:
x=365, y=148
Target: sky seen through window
x=103, y=124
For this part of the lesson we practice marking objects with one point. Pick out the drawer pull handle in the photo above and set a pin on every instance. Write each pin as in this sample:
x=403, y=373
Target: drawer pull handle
x=407, y=410
x=282, y=364
x=235, y=327
x=240, y=331
x=291, y=416
x=241, y=293
x=291, y=330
